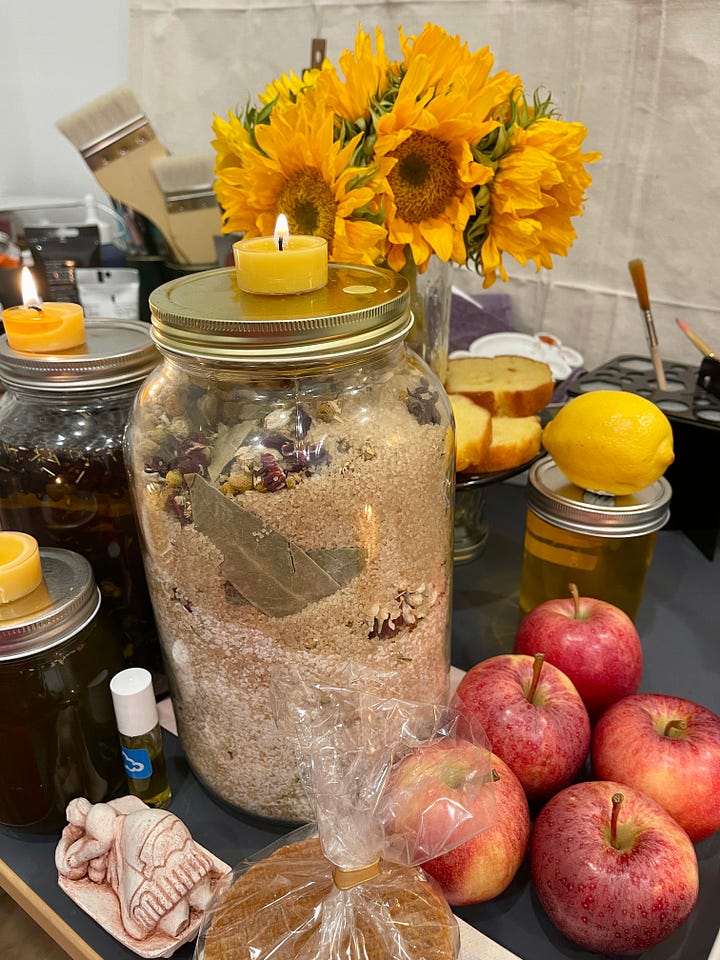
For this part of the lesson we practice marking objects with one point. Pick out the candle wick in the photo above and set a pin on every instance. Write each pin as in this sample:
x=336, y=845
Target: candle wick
x=280, y=243
x=35, y=306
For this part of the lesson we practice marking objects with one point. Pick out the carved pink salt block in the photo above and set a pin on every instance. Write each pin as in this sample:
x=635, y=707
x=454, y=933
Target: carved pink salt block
x=137, y=872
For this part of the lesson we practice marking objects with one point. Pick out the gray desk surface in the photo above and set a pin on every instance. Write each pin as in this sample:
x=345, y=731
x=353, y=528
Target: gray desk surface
x=678, y=624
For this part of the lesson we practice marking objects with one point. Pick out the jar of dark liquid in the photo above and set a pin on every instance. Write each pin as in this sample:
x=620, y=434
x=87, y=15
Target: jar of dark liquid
x=62, y=472
x=58, y=738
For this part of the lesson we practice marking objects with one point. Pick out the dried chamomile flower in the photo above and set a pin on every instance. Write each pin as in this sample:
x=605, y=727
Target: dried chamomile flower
x=174, y=405
x=237, y=483
x=328, y=410
x=180, y=427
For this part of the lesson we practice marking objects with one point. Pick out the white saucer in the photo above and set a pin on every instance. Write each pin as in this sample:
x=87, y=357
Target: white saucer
x=542, y=346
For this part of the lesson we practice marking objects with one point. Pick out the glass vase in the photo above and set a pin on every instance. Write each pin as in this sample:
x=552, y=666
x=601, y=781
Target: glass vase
x=430, y=302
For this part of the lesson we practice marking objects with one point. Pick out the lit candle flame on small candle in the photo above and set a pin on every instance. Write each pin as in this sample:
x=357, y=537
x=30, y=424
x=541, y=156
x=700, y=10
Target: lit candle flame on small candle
x=281, y=264
x=38, y=327
x=282, y=231
x=29, y=290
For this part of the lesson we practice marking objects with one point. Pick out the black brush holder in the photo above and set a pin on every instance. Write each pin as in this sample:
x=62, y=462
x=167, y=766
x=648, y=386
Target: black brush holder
x=691, y=403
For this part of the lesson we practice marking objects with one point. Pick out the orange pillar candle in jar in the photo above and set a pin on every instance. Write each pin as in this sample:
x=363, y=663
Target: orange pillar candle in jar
x=38, y=327
x=281, y=264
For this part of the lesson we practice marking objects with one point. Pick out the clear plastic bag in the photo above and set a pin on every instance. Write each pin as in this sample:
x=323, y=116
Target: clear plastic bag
x=393, y=787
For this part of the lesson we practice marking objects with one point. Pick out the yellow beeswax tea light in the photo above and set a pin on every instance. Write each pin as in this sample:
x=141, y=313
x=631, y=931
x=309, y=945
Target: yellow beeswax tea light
x=38, y=327
x=281, y=264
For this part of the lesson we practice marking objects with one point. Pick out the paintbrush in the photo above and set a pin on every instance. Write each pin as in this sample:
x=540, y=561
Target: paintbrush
x=694, y=338
x=637, y=272
x=116, y=141
x=192, y=208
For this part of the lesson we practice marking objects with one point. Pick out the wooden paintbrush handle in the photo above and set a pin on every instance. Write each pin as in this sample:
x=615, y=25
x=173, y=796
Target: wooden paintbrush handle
x=658, y=367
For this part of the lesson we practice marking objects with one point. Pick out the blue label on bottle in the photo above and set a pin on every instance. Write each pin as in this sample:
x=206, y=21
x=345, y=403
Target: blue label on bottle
x=138, y=765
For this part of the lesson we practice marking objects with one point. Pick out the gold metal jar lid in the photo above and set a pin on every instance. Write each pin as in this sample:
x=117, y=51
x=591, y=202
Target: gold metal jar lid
x=205, y=315
x=553, y=498
x=115, y=353
x=65, y=601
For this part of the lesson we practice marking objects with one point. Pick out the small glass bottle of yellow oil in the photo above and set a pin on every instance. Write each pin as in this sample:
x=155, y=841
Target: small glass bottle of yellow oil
x=140, y=736
x=603, y=544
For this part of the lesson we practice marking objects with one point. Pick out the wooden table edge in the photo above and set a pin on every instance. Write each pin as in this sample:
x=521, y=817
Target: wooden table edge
x=55, y=927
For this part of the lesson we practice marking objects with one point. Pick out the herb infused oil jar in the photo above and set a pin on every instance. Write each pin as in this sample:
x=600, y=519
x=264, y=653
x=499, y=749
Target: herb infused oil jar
x=292, y=464
x=58, y=651
x=62, y=473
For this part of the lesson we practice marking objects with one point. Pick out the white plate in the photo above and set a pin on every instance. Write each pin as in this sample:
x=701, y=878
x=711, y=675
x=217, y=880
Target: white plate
x=543, y=346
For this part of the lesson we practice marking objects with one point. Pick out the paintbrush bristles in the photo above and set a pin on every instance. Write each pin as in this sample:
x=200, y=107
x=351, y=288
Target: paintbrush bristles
x=637, y=272
x=101, y=117
x=194, y=173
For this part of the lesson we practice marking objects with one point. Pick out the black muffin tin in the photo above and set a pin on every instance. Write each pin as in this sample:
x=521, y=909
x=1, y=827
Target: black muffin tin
x=691, y=403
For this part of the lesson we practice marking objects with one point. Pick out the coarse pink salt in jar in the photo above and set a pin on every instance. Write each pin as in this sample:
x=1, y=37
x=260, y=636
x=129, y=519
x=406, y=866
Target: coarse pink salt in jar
x=292, y=467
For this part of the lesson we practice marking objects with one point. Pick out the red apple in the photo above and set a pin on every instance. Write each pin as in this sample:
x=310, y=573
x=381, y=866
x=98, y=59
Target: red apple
x=593, y=642
x=670, y=749
x=533, y=717
x=481, y=868
x=438, y=796
x=615, y=873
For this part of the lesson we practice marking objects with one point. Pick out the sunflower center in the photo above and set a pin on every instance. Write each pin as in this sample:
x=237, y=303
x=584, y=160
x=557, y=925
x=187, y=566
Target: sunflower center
x=308, y=203
x=424, y=179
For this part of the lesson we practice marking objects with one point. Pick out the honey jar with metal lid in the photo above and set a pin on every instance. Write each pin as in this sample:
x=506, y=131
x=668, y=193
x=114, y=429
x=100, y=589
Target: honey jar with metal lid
x=602, y=544
x=62, y=473
x=58, y=651
x=292, y=465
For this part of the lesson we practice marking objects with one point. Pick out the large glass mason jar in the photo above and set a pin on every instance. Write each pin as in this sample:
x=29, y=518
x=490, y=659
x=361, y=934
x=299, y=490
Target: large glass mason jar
x=62, y=473
x=292, y=466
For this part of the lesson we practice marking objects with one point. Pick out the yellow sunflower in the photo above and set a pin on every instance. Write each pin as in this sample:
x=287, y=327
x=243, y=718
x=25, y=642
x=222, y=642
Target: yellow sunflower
x=303, y=171
x=230, y=143
x=366, y=79
x=539, y=185
x=286, y=88
x=450, y=59
x=424, y=145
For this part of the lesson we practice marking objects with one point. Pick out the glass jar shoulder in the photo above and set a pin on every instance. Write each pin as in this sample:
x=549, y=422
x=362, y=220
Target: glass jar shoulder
x=193, y=419
x=85, y=421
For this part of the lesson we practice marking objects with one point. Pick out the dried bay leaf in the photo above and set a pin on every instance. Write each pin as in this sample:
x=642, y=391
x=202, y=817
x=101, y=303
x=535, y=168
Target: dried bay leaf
x=224, y=447
x=273, y=573
x=342, y=563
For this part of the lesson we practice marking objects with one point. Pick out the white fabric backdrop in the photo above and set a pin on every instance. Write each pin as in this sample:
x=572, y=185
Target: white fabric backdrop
x=643, y=75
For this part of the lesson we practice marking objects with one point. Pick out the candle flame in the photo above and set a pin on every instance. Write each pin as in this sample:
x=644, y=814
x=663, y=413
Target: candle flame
x=282, y=231
x=28, y=289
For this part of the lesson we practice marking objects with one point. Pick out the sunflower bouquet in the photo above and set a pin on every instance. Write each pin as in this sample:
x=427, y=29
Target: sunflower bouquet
x=396, y=161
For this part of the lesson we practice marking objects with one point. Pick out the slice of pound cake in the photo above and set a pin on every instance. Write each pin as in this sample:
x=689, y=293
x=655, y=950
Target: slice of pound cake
x=507, y=386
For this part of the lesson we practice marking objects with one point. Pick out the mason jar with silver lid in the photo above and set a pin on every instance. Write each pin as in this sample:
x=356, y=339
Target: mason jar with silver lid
x=62, y=472
x=602, y=544
x=292, y=466
x=58, y=738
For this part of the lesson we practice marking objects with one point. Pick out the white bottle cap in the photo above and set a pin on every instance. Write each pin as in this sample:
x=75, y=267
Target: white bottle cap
x=134, y=702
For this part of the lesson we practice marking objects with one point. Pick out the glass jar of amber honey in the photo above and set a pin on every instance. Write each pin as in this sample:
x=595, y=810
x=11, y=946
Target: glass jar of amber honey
x=62, y=471
x=603, y=544
x=58, y=651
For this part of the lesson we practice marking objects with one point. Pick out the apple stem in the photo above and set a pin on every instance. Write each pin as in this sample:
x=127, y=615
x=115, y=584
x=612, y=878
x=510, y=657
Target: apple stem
x=538, y=661
x=673, y=725
x=576, y=599
x=617, y=800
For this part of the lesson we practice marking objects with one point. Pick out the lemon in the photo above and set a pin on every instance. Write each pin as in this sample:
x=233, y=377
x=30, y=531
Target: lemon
x=610, y=441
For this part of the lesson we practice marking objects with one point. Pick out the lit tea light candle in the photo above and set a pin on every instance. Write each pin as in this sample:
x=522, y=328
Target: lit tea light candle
x=39, y=327
x=281, y=264
x=20, y=568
